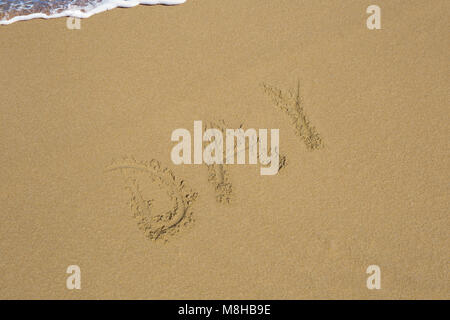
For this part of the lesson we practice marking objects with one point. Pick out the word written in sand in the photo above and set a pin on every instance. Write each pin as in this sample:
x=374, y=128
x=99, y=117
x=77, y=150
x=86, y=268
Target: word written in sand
x=145, y=179
x=291, y=103
x=214, y=151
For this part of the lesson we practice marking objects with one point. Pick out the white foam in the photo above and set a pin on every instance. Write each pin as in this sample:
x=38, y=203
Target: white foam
x=103, y=6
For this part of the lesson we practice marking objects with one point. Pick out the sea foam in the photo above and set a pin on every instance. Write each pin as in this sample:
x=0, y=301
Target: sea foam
x=17, y=10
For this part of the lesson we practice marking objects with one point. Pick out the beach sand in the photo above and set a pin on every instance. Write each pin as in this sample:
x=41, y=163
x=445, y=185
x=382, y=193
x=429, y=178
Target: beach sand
x=375, y=192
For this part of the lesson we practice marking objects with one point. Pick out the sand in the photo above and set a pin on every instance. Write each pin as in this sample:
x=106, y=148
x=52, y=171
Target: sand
x=375, y=193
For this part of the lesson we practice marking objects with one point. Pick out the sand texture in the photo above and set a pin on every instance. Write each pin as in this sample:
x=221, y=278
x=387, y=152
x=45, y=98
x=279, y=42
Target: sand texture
x=87, y=178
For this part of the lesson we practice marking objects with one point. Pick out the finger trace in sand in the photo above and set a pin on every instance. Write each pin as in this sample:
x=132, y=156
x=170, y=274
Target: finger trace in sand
x=218, y=174
x=292, y=104
x=164, y=224
x=283, y=162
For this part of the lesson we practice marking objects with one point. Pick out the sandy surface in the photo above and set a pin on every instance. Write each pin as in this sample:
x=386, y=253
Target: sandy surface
x=72, y=101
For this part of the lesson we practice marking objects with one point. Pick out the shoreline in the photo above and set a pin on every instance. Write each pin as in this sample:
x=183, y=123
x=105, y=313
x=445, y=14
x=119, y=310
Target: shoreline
x=78, y=13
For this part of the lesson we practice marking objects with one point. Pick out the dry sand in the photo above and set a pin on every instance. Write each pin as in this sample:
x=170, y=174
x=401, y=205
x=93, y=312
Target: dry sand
x=376, y=192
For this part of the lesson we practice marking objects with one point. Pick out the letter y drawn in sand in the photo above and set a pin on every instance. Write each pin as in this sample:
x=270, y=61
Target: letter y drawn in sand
x=292, y=104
